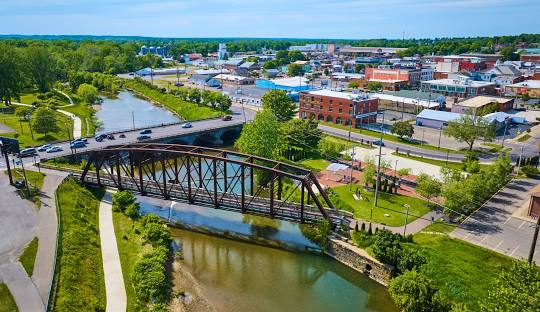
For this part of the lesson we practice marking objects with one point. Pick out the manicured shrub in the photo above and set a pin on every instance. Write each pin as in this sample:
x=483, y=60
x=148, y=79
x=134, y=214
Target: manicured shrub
x=386, y=246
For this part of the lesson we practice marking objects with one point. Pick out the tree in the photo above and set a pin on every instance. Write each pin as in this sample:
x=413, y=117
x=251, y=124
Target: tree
x=516, y=289
x=469, y=128
x=195, y=95
x=41, y=65
x=402, y=128
x=295, y=70
x=88, y=92
x=330, y=148
x=23, y=112
x=525, y=97
x=294, y=56
x=354, y=84
x=428, y=186
x=12, y=77
x=509, y=54
x=386, y=247
x=410, y=259
x=374, y=86
x=44, y=120
x=122, y=199
x=302, y=133
x=280, y=104
x=262, y=137
x=412, y=291
x=358, y=68
x=224, y=102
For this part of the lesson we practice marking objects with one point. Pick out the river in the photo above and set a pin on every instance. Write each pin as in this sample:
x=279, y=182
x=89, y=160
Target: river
x=244, y=277
x=127, y=110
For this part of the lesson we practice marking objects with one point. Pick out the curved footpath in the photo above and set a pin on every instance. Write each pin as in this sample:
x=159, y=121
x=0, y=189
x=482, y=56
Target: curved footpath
x=112, y=269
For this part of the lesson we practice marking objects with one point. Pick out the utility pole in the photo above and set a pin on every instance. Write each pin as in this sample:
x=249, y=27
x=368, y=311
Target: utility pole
x=440, y=134
x=535, y=238
x=519, y=161
x=352, y=167
x=504, y=134
x=378, y=181
x=24, y=174
x=133, y=118
x=406, y=218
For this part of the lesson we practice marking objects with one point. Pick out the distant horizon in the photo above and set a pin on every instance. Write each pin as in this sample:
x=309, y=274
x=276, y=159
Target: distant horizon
x=368, y=19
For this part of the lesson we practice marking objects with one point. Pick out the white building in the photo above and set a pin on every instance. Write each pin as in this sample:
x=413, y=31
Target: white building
x=222, y=51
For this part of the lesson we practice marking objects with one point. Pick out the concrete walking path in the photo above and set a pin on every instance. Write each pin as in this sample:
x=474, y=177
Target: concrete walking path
x=21, y=287
x=67, y=96
x=114, y=280
x=412, y=228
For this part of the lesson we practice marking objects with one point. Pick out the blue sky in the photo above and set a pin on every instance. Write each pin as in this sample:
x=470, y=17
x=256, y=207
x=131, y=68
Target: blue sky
x=272, y=18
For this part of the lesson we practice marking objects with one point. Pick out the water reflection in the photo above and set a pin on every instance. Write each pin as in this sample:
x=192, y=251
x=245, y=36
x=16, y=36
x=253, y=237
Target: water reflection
x=126, y=110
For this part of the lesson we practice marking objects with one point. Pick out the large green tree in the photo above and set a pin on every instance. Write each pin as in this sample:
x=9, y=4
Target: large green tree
x=12, y=75
x=469, y=128
x=302, y=133
x=41, y=65
x=295, y=70
x=517, y=289
x=412, y=291
x=44, y=120
x=402, y=128
x=88, y=92
x=261, y=137
x=280, y=104
x=428, y=186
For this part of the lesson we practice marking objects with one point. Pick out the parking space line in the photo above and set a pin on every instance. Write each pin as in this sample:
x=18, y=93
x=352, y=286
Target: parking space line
x=523, y=222
x=483, y=239
x=499, y=244
x=467, y=236
x=507, y=220
x=513, y=251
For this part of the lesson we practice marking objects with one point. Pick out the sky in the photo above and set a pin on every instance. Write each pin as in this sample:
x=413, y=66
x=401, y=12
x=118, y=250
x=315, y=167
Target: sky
x=339, y=19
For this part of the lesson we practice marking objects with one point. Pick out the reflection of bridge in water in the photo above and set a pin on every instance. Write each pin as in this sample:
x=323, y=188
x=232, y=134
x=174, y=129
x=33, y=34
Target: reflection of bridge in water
x=213, y=178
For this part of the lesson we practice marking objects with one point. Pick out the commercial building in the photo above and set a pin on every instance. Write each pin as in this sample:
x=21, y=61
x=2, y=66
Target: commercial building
x=462, y=88
x=293, y=84
x=313, y=47
x=161, y=71
x=483, y=104
x=404, y=104
x=435, y=118
x=368, y=51
x=534, y=203
x=395, y=77
x=531, y=87
x=234, y=79
x=342, y=108
x=222, y=51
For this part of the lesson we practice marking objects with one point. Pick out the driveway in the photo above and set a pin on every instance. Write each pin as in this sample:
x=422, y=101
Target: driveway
x=494, y=227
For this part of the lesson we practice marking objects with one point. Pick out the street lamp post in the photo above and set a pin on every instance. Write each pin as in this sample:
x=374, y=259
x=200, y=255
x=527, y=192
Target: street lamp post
x=378, y=182
x=440, y=134
x=406, y=218
x=504, y=134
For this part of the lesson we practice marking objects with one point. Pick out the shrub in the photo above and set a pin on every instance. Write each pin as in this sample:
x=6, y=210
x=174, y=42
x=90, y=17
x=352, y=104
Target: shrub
x=132, y=211
x=157, y=234
x=363, y=239
x=122, y=199
x=410, y=259
x=414, y=292
x=386, y=246
x=149, y=276
x=318, y=232
x=529, y=171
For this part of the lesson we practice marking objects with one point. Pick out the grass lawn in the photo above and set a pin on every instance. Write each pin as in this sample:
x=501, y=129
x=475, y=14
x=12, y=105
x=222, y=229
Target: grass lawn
x=28, y=257
x=524, y=137
x=62, y=162
x=80, y=283
x=84, y=112
x=23, y=134
x=35, y=180
x=464, y=270
x=390, y=137
x=496, y=148
x=391, y=204
x=436, y=162
x=316, y=165
x=130, y=247
x=7, y=303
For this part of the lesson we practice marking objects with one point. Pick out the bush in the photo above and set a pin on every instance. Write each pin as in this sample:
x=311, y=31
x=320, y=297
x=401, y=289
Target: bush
x=318, y=232
x=414, y=292
x=386, y=246
x=149, y=276
x=410, y=259
x=157, y=234
x=132, y=211
x=529, y=171
x=122, y=199
x=363, y=239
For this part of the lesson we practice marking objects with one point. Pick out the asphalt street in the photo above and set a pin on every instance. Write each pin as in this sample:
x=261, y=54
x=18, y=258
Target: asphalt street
x=494, y=227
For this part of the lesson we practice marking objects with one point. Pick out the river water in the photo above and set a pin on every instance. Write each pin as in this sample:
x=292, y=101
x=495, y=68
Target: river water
x=243, y=277
x=126, y=110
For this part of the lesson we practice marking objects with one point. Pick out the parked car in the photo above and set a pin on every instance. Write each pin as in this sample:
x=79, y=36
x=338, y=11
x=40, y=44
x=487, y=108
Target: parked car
x=226, y=118
x=77, y=144
x=122, y=135
x=28, y=152
x=378, y=142
x=20, y=184
x=110, y=136
x=146, y=131
x=100, y=137
x=186, y=125
x=85, y=141
x=143, y=137
x=55, y=149
x=43, y=148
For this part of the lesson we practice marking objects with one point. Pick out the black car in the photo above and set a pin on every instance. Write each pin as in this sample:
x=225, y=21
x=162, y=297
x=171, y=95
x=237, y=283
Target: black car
x=146, y=131
x=122, y=135
x=226, y=118
x=143, y=137
x=100, y=137
x=110, y=136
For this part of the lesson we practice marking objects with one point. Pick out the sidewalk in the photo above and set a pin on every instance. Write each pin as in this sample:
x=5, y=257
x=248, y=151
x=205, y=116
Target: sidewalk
x=21, y=287
x=114, y=280
x=412, y=228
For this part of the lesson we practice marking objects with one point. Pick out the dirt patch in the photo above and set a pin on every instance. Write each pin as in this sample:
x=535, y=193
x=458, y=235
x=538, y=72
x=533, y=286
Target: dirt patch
x=187, y=294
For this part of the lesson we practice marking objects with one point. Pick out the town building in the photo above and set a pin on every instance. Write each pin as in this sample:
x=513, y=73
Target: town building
x=204, y=80
x=292, y=84
x=234, y=79
x=349, y=51
x=233, y=64
x=222, y=51
x=312, y=47
x=395, y=77
x=531, y=87
x=533, y=58
x=343, y=108
x=435, y=119
x=482, y=105
x=462, y=88
x=534, y=203
x=404, y=104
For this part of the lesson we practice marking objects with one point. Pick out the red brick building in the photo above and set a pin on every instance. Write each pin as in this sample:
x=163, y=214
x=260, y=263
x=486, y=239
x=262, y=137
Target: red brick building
x=338, y=107
x=533, y=58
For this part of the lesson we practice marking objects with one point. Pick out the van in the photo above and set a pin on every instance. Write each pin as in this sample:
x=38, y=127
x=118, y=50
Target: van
x=78, y=144
x=28, y=152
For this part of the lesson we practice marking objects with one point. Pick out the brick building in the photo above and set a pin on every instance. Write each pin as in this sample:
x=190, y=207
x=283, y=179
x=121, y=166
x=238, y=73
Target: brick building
x=338, y=107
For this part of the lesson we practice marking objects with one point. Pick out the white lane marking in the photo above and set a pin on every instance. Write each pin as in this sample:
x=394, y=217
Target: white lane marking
x=507, y=220
x=467, y=236
x=483, y=239
x=513, y=251
x=499, y=244
x=522, y=223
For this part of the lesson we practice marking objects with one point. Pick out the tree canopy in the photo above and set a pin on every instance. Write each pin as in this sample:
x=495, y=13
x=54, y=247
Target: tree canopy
x=44, y=120
x=402, y=128
x=262, y=136
x=469, y=128
x=280, y=104
x=88, y=92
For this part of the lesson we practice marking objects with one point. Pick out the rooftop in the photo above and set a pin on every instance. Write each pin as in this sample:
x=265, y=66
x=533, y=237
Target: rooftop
x=341, y=95
x=406, y=100
x=480, y=101
x=535, y=84
x=438, y=115
x=291, y=82
x=458, y=82
x=370, y=50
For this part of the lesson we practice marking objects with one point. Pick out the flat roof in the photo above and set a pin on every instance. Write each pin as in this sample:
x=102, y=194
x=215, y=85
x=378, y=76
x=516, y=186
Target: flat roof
x=534, y=84
x=231, y=77
x=438, y=115
x=371, y=49
x=406, y=100
x=291, y=81
x=480, y=101
x=341, y=95
x=387, y=80
x=457, y=82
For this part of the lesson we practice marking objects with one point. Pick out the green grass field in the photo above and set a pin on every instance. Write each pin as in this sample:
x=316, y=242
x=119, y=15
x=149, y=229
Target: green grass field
x=391, y=204
x=315, y=165
x=84, y=112
x=81, y=286
x=389, y=137
x=21, y=130
x=524, y=137
x=131, y=247
x=35, y=180
x=464, y=270
x=28, y=257
x=7, y=303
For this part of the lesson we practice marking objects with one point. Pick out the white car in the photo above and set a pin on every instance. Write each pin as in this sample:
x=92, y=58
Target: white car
x=44, y=148
x=54, y=149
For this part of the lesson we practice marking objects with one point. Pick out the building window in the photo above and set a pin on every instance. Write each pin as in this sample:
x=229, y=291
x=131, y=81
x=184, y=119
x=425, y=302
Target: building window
x=347, y=122
x=339, y=121
x=320, y=117
x=350, y=111
x=330, y=108
x=321, y=107
x=329, y=118
x=304, y=115
x=341, y=110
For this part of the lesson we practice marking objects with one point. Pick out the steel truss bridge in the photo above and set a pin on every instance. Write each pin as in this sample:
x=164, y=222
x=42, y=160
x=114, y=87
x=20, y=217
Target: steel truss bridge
x=213, y=178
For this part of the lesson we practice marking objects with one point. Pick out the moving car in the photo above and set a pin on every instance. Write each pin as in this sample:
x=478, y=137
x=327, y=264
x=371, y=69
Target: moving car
x=143, y=137
x=378, y=142
x=54, y=149
x=78, y=144
x=146, y=131
x=28, y=152
x=186, y=125
x=226, y=118
x=110, y=136
x=100, y=137
x=43, y=148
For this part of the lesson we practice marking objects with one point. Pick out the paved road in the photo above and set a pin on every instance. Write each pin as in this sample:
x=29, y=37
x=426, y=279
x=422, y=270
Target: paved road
x=494, y=227
x=112, y=270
